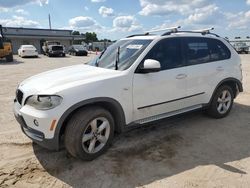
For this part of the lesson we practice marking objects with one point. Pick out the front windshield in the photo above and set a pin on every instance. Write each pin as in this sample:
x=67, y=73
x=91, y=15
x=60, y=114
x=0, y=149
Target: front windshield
x=129, y=51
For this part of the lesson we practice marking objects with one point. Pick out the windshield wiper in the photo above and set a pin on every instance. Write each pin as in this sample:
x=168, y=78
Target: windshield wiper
x=97, y=62
x=117, y=58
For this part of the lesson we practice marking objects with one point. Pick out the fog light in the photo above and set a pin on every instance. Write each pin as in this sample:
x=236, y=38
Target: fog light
x=36, y=122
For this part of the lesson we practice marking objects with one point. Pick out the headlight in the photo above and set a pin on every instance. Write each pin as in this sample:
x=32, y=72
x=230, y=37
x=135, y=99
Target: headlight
x=44, y=102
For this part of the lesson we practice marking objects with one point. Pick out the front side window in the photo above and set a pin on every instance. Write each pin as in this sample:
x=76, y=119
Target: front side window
x=168, y=53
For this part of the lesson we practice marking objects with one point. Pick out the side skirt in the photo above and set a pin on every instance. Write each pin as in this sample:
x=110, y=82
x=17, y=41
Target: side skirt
x=145, y=121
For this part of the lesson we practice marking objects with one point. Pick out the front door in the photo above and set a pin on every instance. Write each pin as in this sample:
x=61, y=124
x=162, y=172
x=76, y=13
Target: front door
x=161, y=92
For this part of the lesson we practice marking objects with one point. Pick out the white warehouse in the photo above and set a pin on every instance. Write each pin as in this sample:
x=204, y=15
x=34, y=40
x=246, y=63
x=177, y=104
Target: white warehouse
x=21, y=36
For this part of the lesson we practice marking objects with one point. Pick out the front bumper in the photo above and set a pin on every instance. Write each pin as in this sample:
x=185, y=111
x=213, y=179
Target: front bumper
x=36, y=135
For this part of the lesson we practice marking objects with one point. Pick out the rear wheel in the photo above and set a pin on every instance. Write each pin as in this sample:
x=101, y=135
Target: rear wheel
x=89, y=133
x=222, y=102
x=9, y=58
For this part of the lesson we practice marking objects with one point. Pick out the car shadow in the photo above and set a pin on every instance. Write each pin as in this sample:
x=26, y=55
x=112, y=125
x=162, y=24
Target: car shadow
x=166, y=148
x=66, y=56
x=14, y=62
x=31, y=57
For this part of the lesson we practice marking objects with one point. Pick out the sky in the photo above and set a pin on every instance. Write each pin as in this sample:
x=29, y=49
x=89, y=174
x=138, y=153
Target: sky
x=114, y=19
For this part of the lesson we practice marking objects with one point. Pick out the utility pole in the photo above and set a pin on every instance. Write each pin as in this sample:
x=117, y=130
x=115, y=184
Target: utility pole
x=49, y=22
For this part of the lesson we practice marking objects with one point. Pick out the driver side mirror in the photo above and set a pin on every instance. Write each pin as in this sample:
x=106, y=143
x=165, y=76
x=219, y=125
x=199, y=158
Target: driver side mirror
x=149, y=66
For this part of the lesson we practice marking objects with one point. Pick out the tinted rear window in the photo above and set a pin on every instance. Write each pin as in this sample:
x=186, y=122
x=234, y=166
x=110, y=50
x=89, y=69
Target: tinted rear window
x=204, y=50
x=55, y=48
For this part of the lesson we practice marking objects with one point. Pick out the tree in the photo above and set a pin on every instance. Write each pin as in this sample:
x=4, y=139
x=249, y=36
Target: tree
x=90, y=37
x=75, y=33
x=105, y=40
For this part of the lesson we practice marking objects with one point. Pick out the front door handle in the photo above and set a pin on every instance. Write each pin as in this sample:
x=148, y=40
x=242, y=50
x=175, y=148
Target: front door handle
x=219, y=69
x=181, y=76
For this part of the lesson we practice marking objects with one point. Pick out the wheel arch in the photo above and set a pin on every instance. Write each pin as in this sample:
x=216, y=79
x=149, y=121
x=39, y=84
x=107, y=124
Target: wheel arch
x=232, y=82
x=113, y=106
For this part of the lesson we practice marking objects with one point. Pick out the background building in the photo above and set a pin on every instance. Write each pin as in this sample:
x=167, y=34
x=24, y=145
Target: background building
x=100, y=46
x=36, y=37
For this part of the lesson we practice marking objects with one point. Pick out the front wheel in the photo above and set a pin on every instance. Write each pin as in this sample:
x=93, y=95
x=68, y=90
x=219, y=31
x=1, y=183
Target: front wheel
x=222, y=102
x=89, y=133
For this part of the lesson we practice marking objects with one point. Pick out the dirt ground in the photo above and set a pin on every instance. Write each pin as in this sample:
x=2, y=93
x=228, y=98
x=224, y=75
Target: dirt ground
x=189, y=151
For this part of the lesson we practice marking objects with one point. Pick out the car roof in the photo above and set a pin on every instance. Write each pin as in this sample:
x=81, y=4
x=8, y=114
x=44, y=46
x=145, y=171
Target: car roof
x=28, y=46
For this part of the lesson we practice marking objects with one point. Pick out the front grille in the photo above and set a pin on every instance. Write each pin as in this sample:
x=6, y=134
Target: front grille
x=19, y=96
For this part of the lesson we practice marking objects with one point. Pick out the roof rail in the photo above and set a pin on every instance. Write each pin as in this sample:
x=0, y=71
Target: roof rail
x=172, y=29
x=135, y=35
x=201, y=31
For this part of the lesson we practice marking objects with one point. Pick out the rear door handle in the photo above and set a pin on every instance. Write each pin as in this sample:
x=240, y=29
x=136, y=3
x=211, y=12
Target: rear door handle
x=219, y=69
x=181, y=76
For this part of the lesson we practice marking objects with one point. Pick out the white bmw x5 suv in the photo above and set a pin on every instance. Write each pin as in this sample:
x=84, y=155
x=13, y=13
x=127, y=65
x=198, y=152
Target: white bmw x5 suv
x=138, y=79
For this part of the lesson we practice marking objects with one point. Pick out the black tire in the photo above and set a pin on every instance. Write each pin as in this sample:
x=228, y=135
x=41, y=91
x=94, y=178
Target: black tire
x=77, y=127
x=9, y=58
x=213, y=110
x=63, y=55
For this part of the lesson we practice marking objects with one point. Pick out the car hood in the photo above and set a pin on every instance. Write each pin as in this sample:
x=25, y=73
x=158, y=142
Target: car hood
x=66, y=75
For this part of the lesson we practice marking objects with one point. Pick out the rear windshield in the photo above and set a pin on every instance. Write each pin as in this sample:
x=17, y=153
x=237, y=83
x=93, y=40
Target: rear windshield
x=79, y=47
x=55, y=48
x=29, y=47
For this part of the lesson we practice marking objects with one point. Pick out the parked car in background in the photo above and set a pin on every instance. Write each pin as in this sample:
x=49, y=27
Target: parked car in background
x=241, y=47
x=46, y=45
x=56, y=50
x=27, y=51
x=78, y=50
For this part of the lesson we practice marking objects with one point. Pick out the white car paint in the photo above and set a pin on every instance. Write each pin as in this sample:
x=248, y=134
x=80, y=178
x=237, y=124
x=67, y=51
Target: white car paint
x=132, y=91
x=27, y=51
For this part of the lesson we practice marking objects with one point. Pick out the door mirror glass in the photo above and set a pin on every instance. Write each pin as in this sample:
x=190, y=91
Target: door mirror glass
x=150, y=65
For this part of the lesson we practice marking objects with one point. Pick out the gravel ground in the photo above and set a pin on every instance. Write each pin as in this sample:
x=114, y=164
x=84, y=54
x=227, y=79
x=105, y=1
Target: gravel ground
x=189, y=151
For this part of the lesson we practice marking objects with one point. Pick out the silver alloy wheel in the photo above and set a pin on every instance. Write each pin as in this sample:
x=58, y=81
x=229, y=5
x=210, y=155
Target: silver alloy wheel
x=96, y=135
x=224, y=102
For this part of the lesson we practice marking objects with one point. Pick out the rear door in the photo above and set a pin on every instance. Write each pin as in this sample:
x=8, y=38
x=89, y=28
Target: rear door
x=206, y=60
